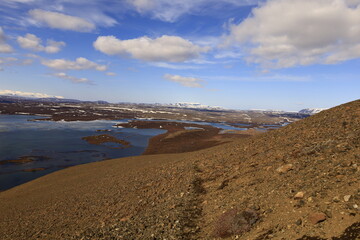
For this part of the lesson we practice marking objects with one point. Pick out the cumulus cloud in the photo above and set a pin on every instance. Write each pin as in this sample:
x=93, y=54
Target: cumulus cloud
x=26, y=94
x=61, y=21
x=73, y=79
x=165, y=48
x=32, y=42
x=4, y=47
x=79, y=64
x=284, y=33
x=185, y=81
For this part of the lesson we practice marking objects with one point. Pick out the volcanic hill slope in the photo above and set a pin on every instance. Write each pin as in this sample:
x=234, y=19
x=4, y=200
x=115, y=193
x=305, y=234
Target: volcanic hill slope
x=297, y=182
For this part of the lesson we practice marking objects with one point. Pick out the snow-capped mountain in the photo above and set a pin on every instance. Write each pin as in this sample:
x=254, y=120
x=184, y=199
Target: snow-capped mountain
x=11, y=93
x=194, y=105
x=311, y=110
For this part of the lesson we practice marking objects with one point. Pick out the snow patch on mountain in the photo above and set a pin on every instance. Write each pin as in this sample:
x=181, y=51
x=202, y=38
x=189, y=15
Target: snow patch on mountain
x=311, y=111
x=194, y=106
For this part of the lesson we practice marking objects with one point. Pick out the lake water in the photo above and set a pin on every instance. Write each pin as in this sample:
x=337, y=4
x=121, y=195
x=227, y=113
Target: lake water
x=56, y=145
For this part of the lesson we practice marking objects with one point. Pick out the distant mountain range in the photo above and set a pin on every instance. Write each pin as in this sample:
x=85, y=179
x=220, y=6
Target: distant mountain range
x=194, y=106
x=187, y=105
x=14, y=98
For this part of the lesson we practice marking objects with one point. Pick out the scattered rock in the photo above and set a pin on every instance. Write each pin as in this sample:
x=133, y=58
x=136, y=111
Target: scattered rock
x=300, y=203
x=299, y=195
x=235, y=222
x=347, y=198
x=298, y=222
x=336, y=199
x=315, y=218
x=285, y=168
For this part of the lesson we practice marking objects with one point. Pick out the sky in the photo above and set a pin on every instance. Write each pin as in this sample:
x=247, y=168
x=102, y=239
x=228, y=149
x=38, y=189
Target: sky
x=239, y=54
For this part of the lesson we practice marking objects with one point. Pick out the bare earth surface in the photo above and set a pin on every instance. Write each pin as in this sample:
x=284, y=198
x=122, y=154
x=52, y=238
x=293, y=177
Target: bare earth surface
x=297, y=182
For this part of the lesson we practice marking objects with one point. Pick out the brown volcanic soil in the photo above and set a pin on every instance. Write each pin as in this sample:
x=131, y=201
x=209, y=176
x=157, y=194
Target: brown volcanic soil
x=106, y=138
x=179, y=140
x=201, y=195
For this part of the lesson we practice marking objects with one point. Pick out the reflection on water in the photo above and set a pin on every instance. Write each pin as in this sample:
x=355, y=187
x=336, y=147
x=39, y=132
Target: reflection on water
x=56, y=145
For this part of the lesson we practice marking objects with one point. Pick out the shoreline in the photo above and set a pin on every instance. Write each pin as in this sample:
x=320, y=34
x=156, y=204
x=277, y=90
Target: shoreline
x=179, y=137
x=185, y=137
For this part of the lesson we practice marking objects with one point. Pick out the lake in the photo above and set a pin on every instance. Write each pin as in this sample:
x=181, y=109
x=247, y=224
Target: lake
x=56, y=145
x=48, y=146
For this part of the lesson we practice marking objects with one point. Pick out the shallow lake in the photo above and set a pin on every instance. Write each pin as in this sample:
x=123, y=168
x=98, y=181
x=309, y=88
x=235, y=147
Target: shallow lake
x=49, y=146
x=56, y=145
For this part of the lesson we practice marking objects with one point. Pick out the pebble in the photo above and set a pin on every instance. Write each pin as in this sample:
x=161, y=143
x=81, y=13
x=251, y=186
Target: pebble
x=299, y=195
x=336, y=199
x=285, y=168
x=328, y=213
x=315, y=218
x=347, y=198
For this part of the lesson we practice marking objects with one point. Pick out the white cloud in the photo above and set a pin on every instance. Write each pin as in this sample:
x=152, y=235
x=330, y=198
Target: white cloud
x=12, y=61
x=79, y=64
x=174, y=66
x=170, y=11
x=284, y=33
x=110, y=74
x=31, y=55
x=26, y=94
x=143, y=5
x=71, y=78
x=18, y=1
x=262, y=78
x=165, y=48
x=4, y=47
x=352, y=3
x=7, y=60
x=185, y=81
x=32, y=42
x=61, y=21
x=27, y=62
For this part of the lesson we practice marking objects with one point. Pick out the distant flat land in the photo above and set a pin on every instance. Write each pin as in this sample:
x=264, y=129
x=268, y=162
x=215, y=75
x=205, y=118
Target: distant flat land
x=86, y=111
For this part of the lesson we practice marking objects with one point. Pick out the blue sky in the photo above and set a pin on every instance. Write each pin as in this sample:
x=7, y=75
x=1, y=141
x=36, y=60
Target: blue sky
x=250, y=54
